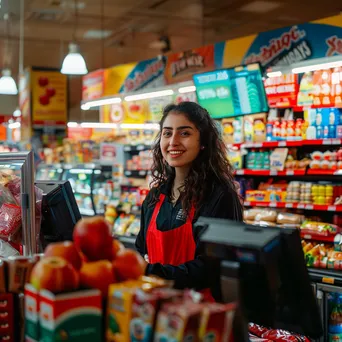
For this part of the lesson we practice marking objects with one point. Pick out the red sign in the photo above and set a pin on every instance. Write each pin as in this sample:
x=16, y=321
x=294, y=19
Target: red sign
x=79, y=133
x=93, y=85
x=181, y=66
x=282, y=91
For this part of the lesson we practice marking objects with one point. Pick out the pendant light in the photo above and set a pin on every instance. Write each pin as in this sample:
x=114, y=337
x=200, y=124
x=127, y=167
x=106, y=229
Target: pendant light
x=74, y=63
x=7, y=83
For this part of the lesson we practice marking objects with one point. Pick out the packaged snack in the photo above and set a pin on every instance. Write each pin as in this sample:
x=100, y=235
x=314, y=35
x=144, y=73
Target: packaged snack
x=10, y=220
x=289, y=218
x=250, y=214
x=319, y=227
x=134, y=227
x=277, y=159
x=267, y=215
x=256, y=329
x=19, y=271
x=283, y=335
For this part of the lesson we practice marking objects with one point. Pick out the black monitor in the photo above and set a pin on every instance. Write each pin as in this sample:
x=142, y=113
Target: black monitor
x=60, y=211
x=263, y=269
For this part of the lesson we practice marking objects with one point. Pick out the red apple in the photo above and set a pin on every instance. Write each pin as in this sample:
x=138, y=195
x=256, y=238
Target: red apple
x=92, y=237
x=117, y=247
x=54, y=274
x=97, y=275
x=50, y=92
x=44, y=100
x=129, y=264
x=66, y=250
x=43, y=81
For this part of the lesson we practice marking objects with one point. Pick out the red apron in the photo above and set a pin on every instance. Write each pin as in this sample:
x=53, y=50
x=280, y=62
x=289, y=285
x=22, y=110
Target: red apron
x=173, y=247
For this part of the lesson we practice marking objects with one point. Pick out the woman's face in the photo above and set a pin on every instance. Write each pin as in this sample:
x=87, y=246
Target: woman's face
x=180, y=140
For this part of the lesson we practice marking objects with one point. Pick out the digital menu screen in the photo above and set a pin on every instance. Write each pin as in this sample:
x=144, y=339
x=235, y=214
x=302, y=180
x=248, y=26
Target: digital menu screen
x=232, y=92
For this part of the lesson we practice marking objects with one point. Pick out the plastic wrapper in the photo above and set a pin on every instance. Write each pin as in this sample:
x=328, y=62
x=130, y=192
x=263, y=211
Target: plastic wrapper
x=319, y=227
x=10, y=220
x=6, y=250
x=266, y=215
x=288, y=218
x=283, y=335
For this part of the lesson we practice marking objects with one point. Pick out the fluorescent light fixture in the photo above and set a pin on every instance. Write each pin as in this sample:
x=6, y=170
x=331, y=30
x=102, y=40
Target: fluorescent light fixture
x=14, y=125
x=189, y=89
x=150, y=95
x=88, y=172
x=7, y=83
x=274, y=74
x=74, y=63
x=17, y=113
x=314, y=67
x=98, y=125
x=141, y=126
x=72, y=124
x=96, y=103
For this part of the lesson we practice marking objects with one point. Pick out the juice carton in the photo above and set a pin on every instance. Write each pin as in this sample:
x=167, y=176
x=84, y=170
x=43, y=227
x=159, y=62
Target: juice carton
x=32, y=329
x=119, y=310
x=7, y=317
x=178, y=322
x=74, y=316
x=216, y=322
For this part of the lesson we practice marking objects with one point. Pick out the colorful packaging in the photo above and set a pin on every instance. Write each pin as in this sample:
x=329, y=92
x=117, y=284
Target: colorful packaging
x=74, y=316
x=7, y=317
x=216, y=322
x=278, y=158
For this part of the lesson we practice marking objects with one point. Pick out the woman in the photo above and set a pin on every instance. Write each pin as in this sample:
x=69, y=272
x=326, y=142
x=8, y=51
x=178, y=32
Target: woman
x=191, y=177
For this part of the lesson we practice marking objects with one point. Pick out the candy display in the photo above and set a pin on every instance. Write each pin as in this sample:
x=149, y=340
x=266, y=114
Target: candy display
x=142, y=161
x=328, y=160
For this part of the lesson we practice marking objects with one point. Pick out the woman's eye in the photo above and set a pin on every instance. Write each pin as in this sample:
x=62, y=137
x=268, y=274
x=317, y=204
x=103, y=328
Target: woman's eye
x=185, y=134
x=166, y=134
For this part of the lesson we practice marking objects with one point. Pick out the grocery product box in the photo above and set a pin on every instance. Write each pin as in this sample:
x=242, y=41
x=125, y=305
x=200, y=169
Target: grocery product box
x=265, y=196
x=74, y=316
x=6, y=317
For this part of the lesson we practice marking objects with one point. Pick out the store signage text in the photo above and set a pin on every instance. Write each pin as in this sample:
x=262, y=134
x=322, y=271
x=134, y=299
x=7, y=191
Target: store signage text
x=187, y=61
x=141, y=78
x=284, y=43
x=334, y=46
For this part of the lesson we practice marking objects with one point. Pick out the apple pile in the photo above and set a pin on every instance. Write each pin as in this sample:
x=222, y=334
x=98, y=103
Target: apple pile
x=93, y=260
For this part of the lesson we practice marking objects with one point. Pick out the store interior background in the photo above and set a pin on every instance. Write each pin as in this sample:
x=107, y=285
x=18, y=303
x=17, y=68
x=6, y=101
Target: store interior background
x=123, y=31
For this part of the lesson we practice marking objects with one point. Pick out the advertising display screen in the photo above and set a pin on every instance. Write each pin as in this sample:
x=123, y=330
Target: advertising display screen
x=232, y=92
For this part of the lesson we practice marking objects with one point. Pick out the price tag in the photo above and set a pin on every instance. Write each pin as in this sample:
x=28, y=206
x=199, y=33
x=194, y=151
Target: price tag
x=307, y=236
x=290, y=173
x=140, y=147
x=247, y=204
x=273, y=173
x=300, y=206
x=128, y=173
x=309, y=206
x=289, y=205
x=327, y=142
x=142, y=173
x=332, y=208
x=127, y=148
x=273, y=204
x=328, y=280
x=257, y=145
x=282, y=143
x=240, y=172
x=336, y=141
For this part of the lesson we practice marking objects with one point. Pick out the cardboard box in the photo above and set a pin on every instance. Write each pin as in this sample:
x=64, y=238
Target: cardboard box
x=74, y=316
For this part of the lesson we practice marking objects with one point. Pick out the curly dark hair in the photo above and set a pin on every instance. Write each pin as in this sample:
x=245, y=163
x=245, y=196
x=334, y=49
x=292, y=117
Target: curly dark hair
x=210, y=166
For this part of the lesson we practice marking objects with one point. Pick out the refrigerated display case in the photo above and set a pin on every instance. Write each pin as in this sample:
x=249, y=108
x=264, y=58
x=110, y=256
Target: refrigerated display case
x=91, y=184
x=49, y=172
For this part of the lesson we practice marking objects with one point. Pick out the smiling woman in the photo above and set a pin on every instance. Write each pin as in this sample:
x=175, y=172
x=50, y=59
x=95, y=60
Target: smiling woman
x=191, y=177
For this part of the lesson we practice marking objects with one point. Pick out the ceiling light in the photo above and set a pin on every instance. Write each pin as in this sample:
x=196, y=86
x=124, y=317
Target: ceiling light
x=151, y=95
x=141, y=126
x=274, y=74
x=7, y=83
x=14, y=125
x=98, y=125
x=17, y=113
x=74, y=63
x=96, y=103
x=72, y=124
x=189, y=89
x=314, y=67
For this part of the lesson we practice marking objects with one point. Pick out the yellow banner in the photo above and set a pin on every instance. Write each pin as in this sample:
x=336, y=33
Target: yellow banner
x=49, y=98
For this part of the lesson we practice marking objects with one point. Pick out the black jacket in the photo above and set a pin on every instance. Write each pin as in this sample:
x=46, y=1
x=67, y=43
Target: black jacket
x=223, y=202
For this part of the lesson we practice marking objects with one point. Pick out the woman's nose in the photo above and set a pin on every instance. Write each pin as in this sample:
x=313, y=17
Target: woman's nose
x=174, y=140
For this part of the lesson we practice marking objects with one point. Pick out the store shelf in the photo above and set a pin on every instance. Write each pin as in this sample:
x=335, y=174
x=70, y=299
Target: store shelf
x=247, y=172
x=82, y=192
x=136, y=148
x=313, y=172
x=127, y=241
x=87, y=212
x=325, y=276
x=137, y=173
x=337, y=208
x=289, y=143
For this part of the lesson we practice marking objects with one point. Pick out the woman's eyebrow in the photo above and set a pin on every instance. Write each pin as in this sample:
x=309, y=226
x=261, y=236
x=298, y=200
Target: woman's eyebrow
x=179, y=128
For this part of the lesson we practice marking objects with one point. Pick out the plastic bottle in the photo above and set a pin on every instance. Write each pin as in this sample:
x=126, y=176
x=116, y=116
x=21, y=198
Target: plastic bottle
x=335, y=321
